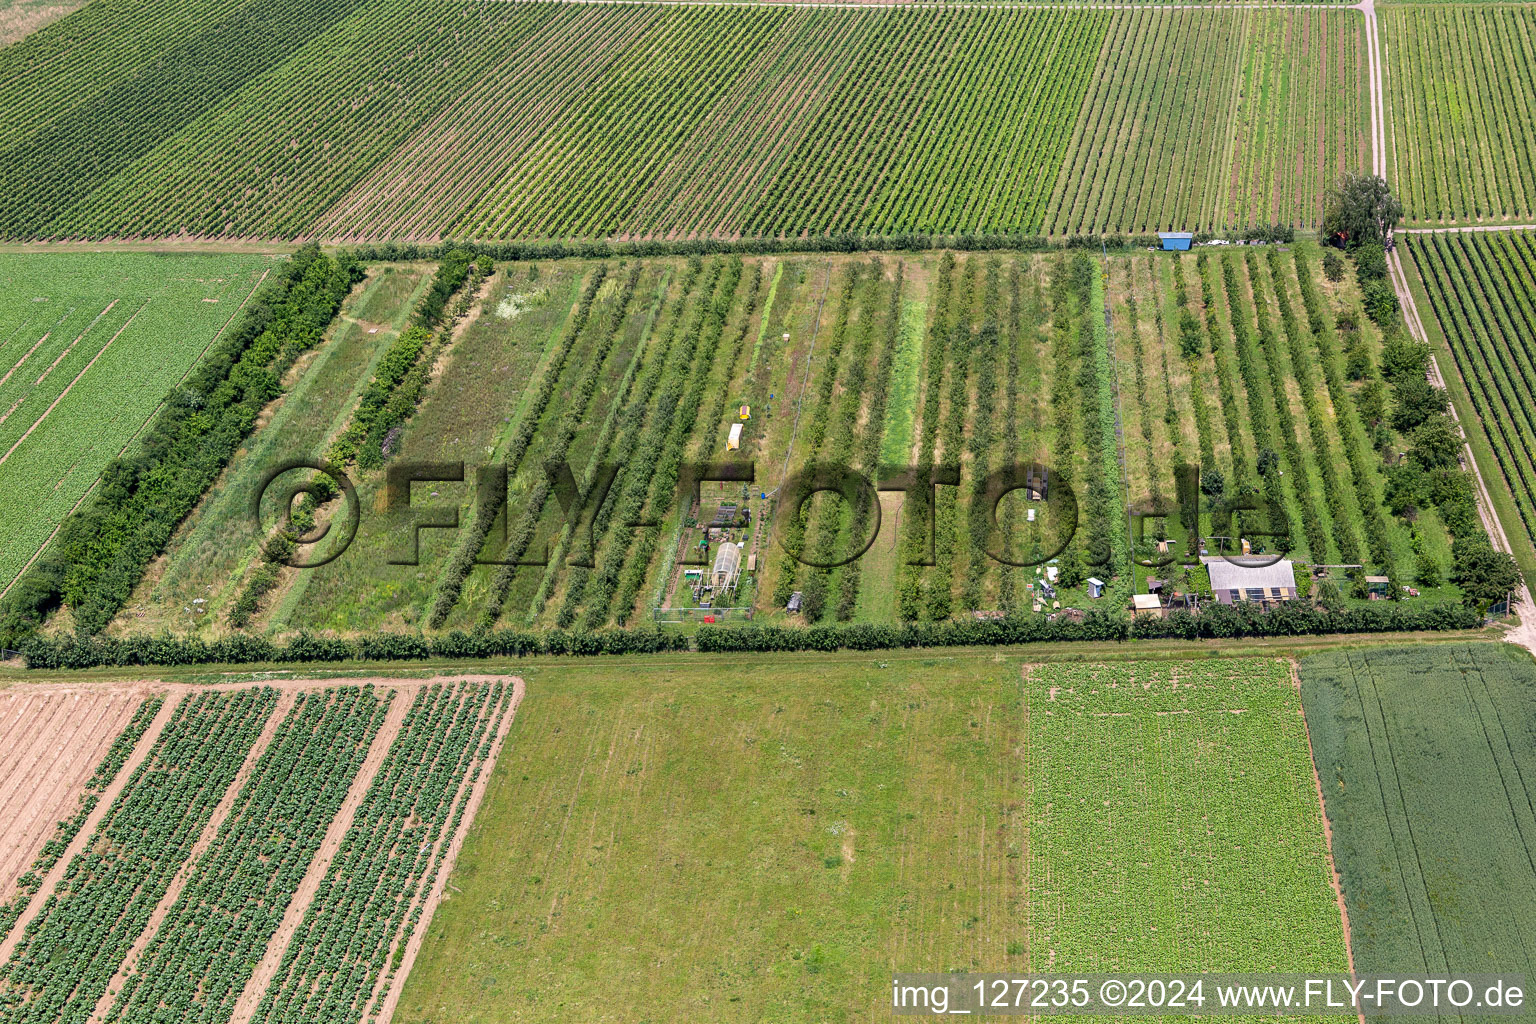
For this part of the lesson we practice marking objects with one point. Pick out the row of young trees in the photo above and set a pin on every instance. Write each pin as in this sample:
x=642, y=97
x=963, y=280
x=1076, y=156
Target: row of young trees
x=867, y=454
x=910, y=602
x=633, y=447
x=813, y=525
x=1215, y=621
x=493, y=502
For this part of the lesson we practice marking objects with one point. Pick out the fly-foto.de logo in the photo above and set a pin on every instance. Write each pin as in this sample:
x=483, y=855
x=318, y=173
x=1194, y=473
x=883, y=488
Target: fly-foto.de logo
x=318, y=513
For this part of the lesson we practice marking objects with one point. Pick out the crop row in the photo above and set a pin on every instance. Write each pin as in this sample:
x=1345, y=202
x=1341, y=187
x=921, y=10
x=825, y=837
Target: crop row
x=1481, y=288
x=1461, y=85
x=66, y=830
x=551, y=120
x=70, y=951
x=1249, y=126
x=370, y=900
x=207, y=945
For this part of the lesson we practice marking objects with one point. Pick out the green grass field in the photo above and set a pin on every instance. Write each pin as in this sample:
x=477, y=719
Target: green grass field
x=1428, y=777
x=769, y=840
x=89, y=345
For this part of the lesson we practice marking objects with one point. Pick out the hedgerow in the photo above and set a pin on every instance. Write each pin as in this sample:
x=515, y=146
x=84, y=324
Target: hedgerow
x=103, y=549
x=1214, y=621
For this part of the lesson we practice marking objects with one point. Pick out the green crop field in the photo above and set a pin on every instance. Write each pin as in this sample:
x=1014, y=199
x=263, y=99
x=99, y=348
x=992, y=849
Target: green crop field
x=89, y=345
x=771, y=842
x=220, y=823
x=1461, y=84
x=539, y=120
x=1428, y=779
x=1480, y=291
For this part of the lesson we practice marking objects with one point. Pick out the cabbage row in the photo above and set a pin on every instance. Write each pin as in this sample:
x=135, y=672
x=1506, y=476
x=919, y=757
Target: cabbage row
x=370, y=901
x=72, y=948
x=206, y=948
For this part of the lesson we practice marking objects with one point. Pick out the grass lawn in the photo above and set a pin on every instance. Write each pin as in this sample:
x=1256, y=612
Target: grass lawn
x=769, y=839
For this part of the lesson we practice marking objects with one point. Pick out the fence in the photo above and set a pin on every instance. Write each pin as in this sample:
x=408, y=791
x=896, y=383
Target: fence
x=679, y=616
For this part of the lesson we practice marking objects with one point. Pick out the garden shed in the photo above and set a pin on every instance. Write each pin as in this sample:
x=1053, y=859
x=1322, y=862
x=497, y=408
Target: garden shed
x=1232, y=582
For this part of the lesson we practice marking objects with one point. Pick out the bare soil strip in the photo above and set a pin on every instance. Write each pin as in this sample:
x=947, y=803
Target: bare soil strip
x=93, y=821
x=210, y=832
x=250, y=998
x=391, y=997
x=52, y=746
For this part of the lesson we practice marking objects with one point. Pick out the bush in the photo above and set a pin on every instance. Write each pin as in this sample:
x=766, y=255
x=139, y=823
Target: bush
x=1414, y=401
x=1333, y=265
x=1370, y=263
x=1381, y=303
x=1436, y=444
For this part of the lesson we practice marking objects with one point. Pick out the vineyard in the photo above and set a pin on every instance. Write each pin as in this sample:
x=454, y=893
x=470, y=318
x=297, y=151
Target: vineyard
x=551, y=120
x=630, y=371
x=89, y=345
x=1461, y=86
x=220, y=863
x=1480, y=290
x=1427, y=781
x=1251, y=122
x=987, y=820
